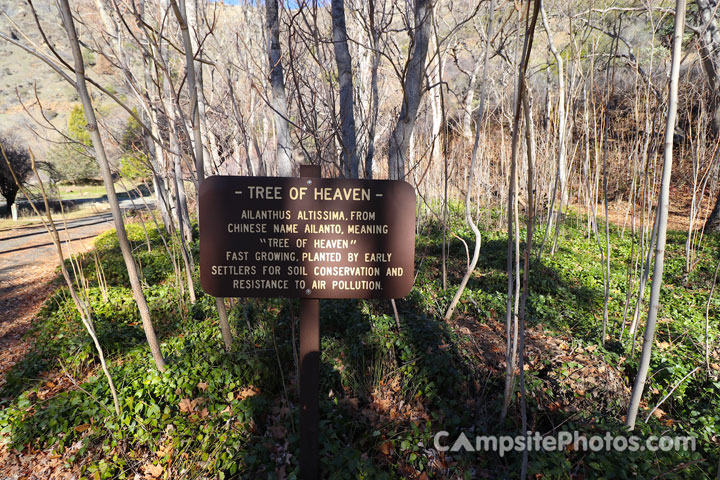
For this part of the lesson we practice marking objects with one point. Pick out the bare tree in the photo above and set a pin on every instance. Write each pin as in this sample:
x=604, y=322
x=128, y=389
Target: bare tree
x=80, y=304
x=708, y=36
x=375, y=17
x=561, y=173
x=277, y=82
x=193, y=86
x=350, y=161
x=92, y=126
x=473, y=163
x=412, y=85
x=662, y=215
x=516, y=312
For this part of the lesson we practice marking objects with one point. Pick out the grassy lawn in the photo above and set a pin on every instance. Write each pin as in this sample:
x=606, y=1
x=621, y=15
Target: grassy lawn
x=69, y=192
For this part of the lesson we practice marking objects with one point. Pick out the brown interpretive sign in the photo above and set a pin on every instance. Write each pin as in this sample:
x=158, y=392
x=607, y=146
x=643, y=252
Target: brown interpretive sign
x=306, y=237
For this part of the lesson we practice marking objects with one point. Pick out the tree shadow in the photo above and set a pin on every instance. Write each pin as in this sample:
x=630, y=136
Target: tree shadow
x=363, y=353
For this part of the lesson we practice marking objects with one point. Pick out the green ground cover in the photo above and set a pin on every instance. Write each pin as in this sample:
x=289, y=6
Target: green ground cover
x=384, y=391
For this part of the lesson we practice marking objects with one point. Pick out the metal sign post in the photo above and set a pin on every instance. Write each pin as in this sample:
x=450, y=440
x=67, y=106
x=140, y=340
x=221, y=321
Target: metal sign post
x=309, y=373
x=307, y=238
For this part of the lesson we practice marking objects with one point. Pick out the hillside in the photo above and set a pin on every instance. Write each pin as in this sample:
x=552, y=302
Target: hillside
x=31, y=93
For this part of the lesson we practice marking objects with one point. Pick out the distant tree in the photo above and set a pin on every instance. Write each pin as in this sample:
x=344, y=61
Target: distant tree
x=73, y=159
x=77, y=126
x=134, y=162
x=19, y=159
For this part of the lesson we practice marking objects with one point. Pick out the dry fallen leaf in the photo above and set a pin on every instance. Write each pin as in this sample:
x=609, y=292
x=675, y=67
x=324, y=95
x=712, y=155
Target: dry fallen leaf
x=203, y=386
x=248, y=392
x=82, y=428
x=166, y=450
x=658, y=413
x=187, y=405
x=386, y=448
x=152, y=471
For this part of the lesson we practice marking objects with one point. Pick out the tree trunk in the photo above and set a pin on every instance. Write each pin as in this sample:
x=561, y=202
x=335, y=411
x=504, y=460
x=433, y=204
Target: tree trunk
x=368, y=95
x=181, y=17
x=350, y=162
x=277, y=82
x=412, y=91
x=512, y=204
x=708, y=20
x=473, y=163
x=662, y=216
x=561, y=173
x=183, y=225
x=713, y=221
x=157, y=155
x=181, y=207
x=101, y=157
x=373, y=110
x=10, y=197
x=530, y=228
x=436, y=101
x=709, y=38
x=468, y=102
x=195, y=102
x=194, y=16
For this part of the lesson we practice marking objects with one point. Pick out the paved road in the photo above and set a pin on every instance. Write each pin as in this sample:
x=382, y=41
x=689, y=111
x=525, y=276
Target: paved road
x=30, y=247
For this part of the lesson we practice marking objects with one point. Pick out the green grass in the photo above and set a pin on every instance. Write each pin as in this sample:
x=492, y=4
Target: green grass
x=384, y=392
x=69, y=192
